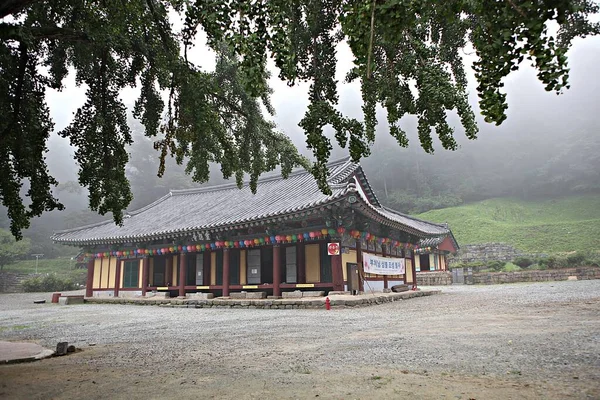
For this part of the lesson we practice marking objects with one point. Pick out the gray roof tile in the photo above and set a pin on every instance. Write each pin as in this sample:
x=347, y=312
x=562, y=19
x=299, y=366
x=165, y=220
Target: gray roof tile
x=225, y=205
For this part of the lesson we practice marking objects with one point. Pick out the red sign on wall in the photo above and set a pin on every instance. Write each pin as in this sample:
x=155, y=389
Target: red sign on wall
x=333, y=249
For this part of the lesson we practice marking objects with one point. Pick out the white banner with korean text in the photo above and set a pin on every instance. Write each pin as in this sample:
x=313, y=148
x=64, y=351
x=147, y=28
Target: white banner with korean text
x=373, y=264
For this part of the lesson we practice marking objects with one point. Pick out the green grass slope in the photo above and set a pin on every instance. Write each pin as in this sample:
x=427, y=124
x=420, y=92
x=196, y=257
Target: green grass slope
x=543, y=226
x=62, y=267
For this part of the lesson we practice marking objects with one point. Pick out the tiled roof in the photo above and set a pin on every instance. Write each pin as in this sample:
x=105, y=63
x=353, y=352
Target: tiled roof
x=183, y=212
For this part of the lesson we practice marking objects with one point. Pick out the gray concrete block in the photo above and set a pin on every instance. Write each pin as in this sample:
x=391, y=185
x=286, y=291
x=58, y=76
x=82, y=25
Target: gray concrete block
x=296, y=294
x=200, y=296
x=256, y=295
x=313, y=293
x=238, y=295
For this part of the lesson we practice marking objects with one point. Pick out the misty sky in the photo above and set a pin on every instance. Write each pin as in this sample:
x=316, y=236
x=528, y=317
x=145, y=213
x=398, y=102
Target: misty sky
x=533, y=113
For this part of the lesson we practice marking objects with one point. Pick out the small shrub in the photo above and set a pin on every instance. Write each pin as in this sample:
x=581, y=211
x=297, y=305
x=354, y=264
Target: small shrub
x=523, y=262
x=576, y=259
x=496, y=265
x=48, y=283
x=549, y=262
x=510, y=267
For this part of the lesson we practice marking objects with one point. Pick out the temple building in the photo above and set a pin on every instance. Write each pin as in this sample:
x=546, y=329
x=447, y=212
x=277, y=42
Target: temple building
x=287, y=236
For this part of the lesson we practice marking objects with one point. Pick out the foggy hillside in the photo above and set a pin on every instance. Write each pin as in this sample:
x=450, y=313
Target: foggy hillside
x=548, y=146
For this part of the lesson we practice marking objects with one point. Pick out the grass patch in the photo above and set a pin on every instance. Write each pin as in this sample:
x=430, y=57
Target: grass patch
x=63, y=268
x=545, y=226
x=510, y=267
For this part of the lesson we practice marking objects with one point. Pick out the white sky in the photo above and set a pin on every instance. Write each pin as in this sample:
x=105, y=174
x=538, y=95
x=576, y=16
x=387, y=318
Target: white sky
x=290, y=103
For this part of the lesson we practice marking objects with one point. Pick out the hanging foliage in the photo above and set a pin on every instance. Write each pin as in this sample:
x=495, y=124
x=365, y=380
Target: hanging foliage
x=407, y=58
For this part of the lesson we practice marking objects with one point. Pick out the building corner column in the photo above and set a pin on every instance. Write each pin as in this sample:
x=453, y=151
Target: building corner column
x=225, y=272
x=89, y=282
x=361, y=271
x=414, y=269
x=182, y=273
x=276, y=270
x=145, y=274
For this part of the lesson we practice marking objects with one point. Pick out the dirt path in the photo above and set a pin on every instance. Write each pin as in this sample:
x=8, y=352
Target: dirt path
x=511, y=342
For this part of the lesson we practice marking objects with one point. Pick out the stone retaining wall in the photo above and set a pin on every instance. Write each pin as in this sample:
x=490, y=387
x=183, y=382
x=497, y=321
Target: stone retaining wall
x=10, y=282
x=582, y=273
x=358, y=301
x=488, y=252
x=438, y=278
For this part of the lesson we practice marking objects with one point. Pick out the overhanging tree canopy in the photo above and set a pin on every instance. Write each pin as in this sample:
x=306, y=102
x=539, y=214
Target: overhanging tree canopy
x=406, y=57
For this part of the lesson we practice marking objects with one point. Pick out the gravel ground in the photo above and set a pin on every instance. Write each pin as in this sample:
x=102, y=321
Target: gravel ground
x=538, y=340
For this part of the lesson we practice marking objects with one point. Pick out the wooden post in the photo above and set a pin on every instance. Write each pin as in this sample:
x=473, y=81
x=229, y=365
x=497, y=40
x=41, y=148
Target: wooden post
x=384, y=254
x=182, y=273
x=89, y=282
x=336, y=272
x=225, y=272
x=145, y=274
x=361, y=271
x=168, y=270
x=414, y=268
x=118, y=278
x=276, y=270
x=404, y=258
x=301, y=262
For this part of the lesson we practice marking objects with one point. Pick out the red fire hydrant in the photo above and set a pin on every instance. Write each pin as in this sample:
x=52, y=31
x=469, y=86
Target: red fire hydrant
x=327, y=304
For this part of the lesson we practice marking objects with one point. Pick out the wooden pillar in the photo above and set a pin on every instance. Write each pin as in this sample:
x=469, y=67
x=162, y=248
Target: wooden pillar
x=182, y=273
x=89, y=282
x=301, y=262
x=336, y=272
x=404, y=258
x=361, y=271
x=414, y=268
x=118, y=278
x=276, y=270
x=384, y=253
x=145, y=274
x=168, y=269
x=206, y=264
x=225, y=272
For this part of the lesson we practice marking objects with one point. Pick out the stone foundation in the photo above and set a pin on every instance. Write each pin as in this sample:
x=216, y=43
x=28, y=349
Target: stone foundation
x=298, y=303
x=200, y=296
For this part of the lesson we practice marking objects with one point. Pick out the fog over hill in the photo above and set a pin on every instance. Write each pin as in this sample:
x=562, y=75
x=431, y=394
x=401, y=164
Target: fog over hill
x=548, y=146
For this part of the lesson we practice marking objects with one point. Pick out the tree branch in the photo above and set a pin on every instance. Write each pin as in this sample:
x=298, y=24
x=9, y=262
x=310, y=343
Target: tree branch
x=14, y=32
x=10, y=7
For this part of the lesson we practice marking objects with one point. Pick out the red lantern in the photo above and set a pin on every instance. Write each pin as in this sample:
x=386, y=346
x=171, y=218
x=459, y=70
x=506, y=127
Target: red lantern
x=311, y=234
x=341, y=230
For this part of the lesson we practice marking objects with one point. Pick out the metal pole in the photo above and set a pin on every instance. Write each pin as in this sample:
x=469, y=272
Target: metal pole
x=37, y=257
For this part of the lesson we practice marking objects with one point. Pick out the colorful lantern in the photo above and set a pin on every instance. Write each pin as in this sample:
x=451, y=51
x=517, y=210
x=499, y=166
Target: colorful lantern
x=324, y=231
x=341, y=230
